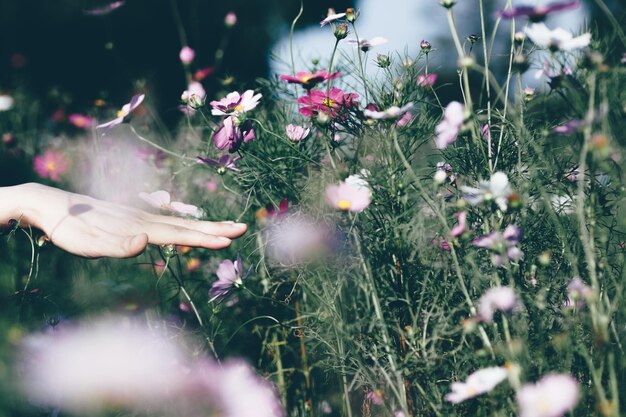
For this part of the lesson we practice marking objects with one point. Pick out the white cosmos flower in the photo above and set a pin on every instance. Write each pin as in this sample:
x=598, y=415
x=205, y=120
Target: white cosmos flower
x=480, y=382
x=392, y=112
x=497, y=189
x=6, y=102
x=552, y=396
x=556, y=39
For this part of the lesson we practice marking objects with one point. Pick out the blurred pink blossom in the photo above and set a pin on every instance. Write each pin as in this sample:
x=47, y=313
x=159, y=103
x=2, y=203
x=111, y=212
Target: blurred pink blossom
x=296, y=133
x=426, y=80
x=161, y=199
x=186, y=55
x=81, y=121
x=52, y=164
x=348, y=197
x=477, y=383
x=552, y=396
x=448, y=129
x=230, y=20
x=498, y=298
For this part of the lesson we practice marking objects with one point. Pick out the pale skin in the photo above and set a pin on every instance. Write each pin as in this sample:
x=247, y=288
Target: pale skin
x=94, y=228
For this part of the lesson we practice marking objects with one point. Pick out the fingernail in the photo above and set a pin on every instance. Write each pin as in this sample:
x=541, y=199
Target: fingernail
x=241, y=225
x=224, y=239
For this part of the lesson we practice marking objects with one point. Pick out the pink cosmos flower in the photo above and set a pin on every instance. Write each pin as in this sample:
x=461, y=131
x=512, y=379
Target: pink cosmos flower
x=51, y=165
x=225, y=162
x=293, y=239
x=392, y=112
x=124, y=113
x=348, y=197
x=503, y=244
x=231, y=136
x=161, y=199
x=552, y=396
x=230, y=19
x=229, y=277
x=331, y=17
x=477, y=383
x=497, y=189
x=296, y=133
x=577, y=293
x=317, y=101
x=375, y=396
x=186, y=55
x=426, y=80
x=235, y=104
x=81, y=121
x=538, y=13
x=194, y=95
x=498, y=298
x=448, y=129
x=309, y=80
x=405, y=120
x=460, y=227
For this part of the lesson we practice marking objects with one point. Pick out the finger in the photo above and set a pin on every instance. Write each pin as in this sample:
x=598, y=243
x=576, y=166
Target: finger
x=226, y=229
x=167, y=234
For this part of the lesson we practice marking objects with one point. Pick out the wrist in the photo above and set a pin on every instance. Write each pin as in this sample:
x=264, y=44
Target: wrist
x=15, y=203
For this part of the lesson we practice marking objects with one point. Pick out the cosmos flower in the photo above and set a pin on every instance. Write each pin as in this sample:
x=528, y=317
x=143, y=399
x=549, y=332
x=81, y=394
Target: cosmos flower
x=448, y=129
x=52, y=164
x=539, y=12
x=161, y=199
x=460, y=227
x=235, y=104
x=229, y=277
x=113, y=361
x=293, y=239
x=347, y=197
x=296, y=133
x=309, y=80
x=104, y=10
x=557, y=39
x=6, y=102
x=552, y=396
x=225, y=162
x=497, y=189
x=231, y=136
x=80, y=121
x=392, y=112
x=366, y=44
x=317, y=101
x=477, y=383
x=331, y=17
x=577, y=293
x=194, y=95
x=426, y=80
x=123, y=114
x=186, y=55
x=230, y=19
x=498, y=298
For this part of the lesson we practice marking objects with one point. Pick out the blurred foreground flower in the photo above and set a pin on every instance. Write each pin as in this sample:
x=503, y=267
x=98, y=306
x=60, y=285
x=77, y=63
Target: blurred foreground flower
x=6, y=102
x=539, y=12
x=366, y=44
x=123, y=114
x=479, y=382
x=105, y=9
x=448, y=129
x=392, y=112
x=552, y=396
x=225, y=162
x=498, y=298
x=186, y=55
x=503, y=244
x=294, y=239
x=193, y=96
x=331, y=17
x=162, y=200
x=577, y=293
x=309, y=80
x=557, y=39
x=80, y=121
x=348, y=197
x=497, y=189
x=52, y=164
x=229, y=277
x=426, y=80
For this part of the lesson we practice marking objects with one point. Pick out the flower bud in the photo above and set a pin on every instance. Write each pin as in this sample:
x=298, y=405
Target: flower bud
x=341, y=31
x=426, y=46
x=448, y=4
x=323, y=119
x=519, y=37
x=383, y=61
x=473, y=38
x=440, y=176
x=351, y=16
x=187, y=55
x=529, y=93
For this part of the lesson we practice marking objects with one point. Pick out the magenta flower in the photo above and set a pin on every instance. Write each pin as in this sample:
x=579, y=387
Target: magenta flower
x=317, y=101
x=347, y=197
x=225, y=162
x=229, y=277
x=296, y=133
x=81, y=121
x=51, y=165
x=161, y=199
x=104, y=10
x=231, y=136
x=309, y=80
x=186, y=55
x=538, y=13
x=460, y=227
x=392, y=112
x=448, y=129
x=477, y=383
x=494, y=299
x=552, y=396
x=426, y=80
x=235, y=104
x=405, y=120
x=503, y=244
x=123, y=114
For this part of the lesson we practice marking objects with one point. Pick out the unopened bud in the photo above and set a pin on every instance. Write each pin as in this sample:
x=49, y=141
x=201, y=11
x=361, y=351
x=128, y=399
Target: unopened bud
x=230, y=20
x=351, y=16
x=426, y=46
x=519, y=37
x=520, y=63
x=341, y=31
x=323, y=119
x=473, y=38
x=440, y=176
x=448, y=4
x=529, y=93
x=383, y=61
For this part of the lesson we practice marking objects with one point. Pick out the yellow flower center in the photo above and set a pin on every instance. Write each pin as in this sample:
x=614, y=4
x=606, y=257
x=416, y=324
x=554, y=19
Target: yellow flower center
x=51, y=166
x=305, y=79
x=122, y=113
x=239, y=107
x=344, y=204
x=328, y=102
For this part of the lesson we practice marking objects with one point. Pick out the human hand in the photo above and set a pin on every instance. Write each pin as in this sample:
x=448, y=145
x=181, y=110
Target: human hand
x=93, y=228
